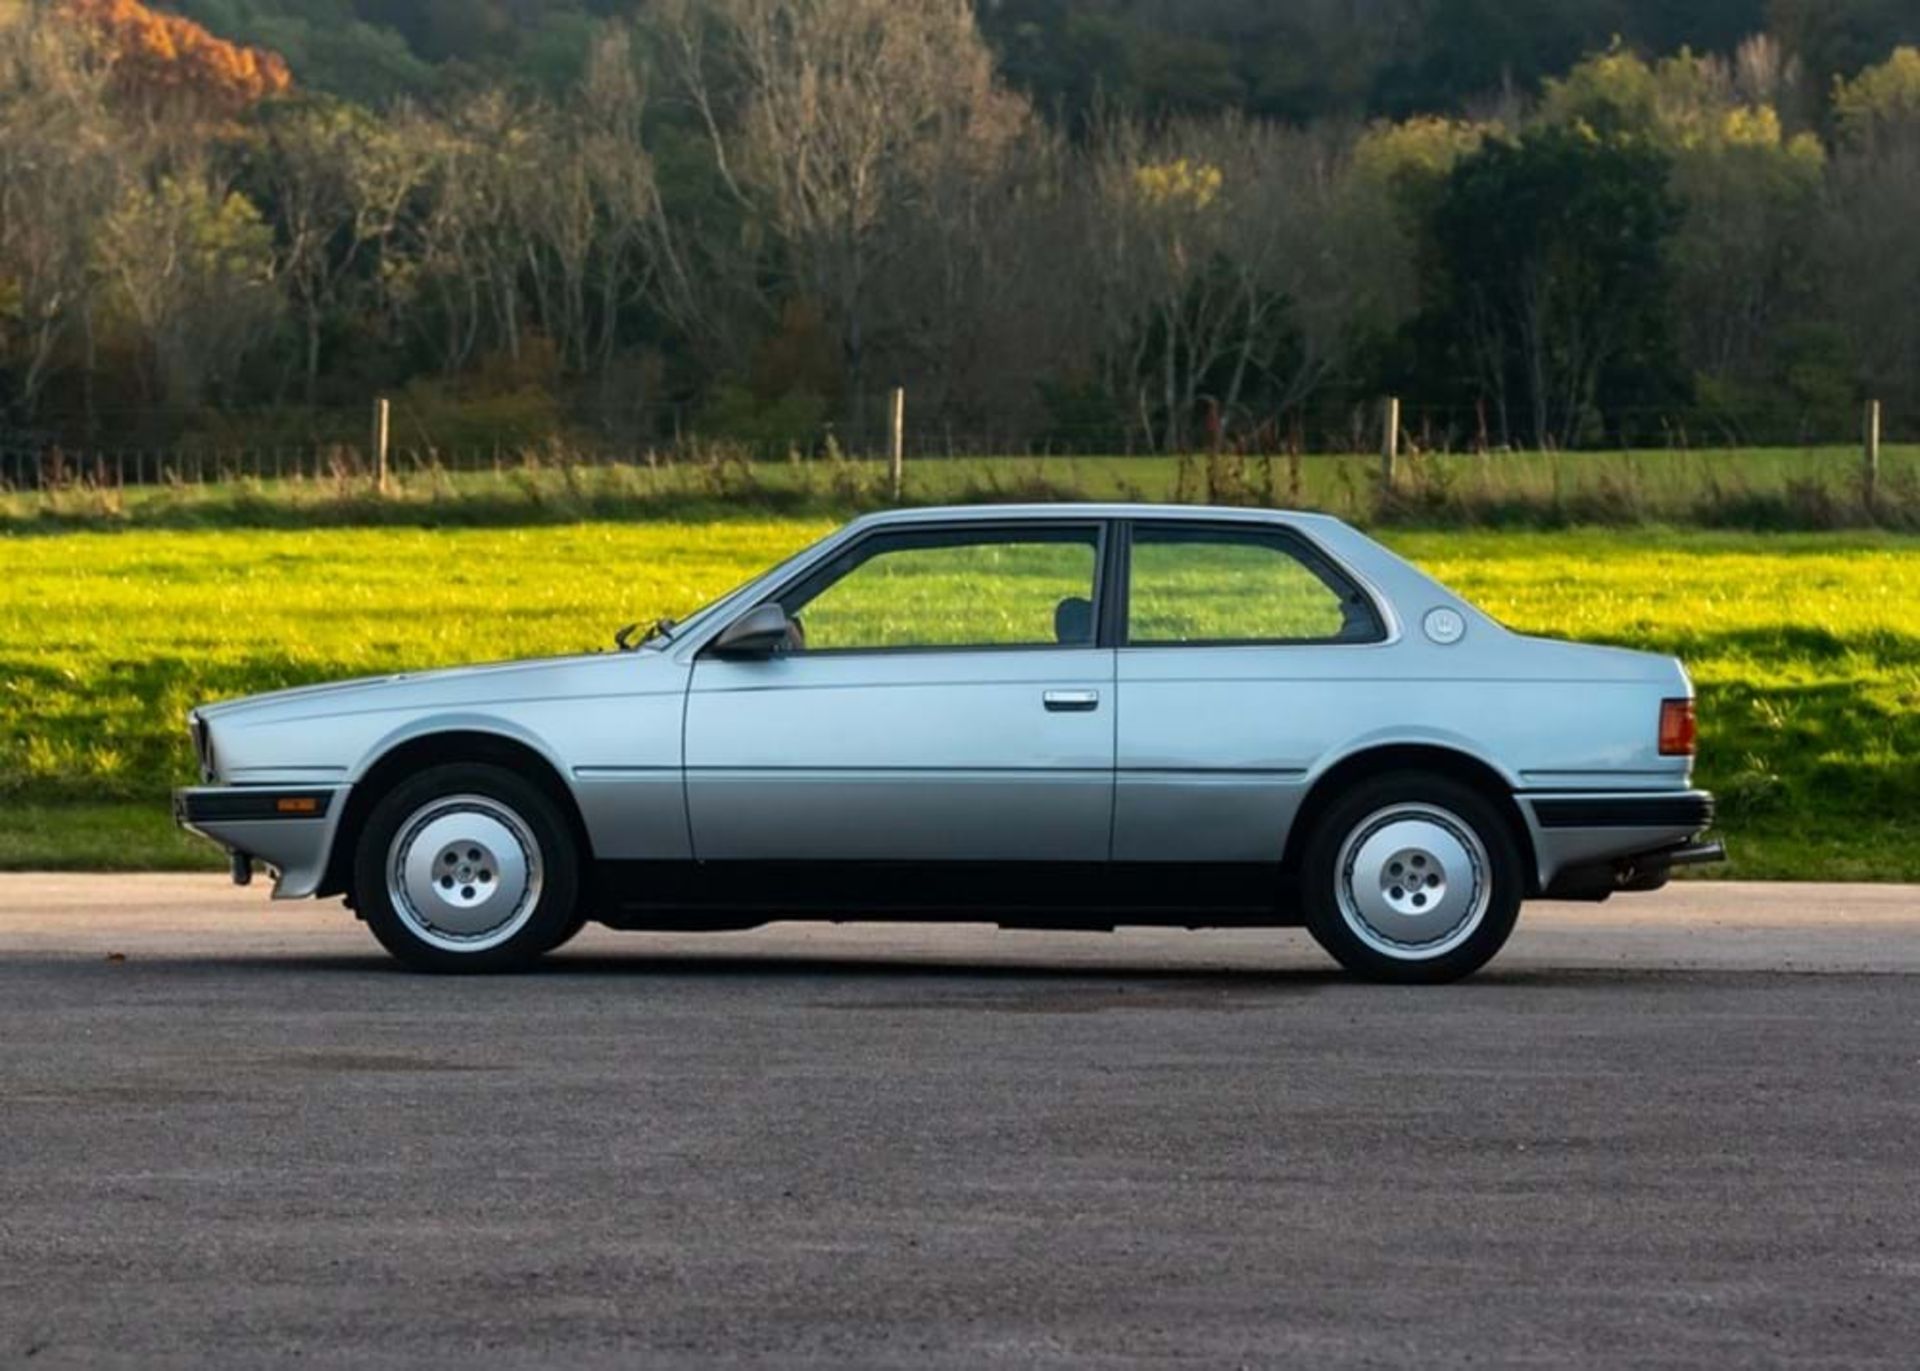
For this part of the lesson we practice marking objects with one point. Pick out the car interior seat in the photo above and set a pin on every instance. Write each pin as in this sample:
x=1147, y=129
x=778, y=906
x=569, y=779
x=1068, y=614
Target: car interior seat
x=1073, y=620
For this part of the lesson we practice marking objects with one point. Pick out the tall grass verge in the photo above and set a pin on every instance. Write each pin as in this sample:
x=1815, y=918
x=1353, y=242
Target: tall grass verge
x=1751, y=489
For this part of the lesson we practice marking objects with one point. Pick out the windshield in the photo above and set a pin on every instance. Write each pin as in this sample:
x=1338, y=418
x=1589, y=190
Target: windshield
x=667, y=631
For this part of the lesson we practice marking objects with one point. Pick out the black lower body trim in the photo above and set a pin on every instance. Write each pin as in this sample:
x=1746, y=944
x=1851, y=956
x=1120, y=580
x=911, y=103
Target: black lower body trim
x=1014, y=894
x=1690, y=811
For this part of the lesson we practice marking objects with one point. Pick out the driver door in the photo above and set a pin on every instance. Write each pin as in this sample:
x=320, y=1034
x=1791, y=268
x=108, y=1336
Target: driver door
x=944, y=699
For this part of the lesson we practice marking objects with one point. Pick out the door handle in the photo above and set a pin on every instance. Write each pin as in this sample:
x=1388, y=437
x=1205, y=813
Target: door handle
x=1071, y=701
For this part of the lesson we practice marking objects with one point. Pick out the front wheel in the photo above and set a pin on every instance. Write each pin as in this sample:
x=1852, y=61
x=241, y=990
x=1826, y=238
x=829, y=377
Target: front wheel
x=467, y=867
x=1413, y=878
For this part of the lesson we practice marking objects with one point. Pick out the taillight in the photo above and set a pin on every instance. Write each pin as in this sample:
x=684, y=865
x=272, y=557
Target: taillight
x=1677, y=731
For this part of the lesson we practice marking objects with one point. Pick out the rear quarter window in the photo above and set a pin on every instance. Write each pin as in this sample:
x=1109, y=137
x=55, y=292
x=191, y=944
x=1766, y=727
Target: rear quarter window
x=1195, y=585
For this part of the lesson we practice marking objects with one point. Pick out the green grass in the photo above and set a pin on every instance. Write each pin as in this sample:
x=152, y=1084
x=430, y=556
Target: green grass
x=1800, y=488
x=1806, y=649
x=106, y=835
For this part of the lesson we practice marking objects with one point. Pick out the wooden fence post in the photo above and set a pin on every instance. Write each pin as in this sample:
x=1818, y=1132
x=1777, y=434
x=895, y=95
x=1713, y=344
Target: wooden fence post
x=897, y=438
x=380, y=415
x=1871, y=484
x=1390, y=443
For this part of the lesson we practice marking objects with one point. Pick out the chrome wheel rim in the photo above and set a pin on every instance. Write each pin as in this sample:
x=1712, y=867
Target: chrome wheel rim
x=464, y=873
x=1413, y=881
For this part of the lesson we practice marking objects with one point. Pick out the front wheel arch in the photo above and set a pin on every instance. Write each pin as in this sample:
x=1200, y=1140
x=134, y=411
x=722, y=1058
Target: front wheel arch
x=467, y=867
x=440, y=749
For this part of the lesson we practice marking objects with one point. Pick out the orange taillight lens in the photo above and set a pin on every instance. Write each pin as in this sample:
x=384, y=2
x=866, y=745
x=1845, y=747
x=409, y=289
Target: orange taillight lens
x=1677, y=729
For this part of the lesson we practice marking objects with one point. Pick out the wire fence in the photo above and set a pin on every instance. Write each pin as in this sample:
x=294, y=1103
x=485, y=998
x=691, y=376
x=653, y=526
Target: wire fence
x=334, y=446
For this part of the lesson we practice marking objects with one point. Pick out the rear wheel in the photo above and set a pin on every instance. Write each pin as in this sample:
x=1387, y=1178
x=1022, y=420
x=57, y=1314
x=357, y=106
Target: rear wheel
x=1412, y=877
x=467, y=867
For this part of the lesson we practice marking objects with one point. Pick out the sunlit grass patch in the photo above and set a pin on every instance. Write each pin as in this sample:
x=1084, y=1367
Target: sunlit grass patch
x=1805, y=648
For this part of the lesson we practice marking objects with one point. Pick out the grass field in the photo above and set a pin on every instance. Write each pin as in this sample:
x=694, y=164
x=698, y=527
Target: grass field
x=1806, y=649
x=1813, y=488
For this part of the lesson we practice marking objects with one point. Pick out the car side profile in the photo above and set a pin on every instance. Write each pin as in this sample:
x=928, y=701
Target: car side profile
x=1052, y=716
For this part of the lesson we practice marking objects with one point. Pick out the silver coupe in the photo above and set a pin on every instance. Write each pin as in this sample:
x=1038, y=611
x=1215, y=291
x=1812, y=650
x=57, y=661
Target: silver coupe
x=1051, y=716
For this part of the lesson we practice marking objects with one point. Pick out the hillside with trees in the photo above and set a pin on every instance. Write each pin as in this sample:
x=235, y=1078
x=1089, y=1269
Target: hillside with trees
x=1103, y=225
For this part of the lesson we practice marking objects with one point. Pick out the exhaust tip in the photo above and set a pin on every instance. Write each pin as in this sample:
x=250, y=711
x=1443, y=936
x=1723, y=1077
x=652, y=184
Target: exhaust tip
x=1697, y=854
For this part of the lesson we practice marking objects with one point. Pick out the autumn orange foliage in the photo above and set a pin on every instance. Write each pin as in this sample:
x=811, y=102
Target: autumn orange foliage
x=158, y=55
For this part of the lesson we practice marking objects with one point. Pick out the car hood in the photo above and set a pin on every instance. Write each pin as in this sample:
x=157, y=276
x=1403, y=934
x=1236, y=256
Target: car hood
x=490, y=681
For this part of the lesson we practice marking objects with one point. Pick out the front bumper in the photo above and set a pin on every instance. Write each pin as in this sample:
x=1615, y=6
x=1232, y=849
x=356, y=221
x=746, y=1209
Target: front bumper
x=288, y=828
x=1592, y=843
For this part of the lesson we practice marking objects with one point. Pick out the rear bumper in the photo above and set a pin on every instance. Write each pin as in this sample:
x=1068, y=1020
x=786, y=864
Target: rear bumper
x=1688, y=809
x=1590, y=844
x=288, y=828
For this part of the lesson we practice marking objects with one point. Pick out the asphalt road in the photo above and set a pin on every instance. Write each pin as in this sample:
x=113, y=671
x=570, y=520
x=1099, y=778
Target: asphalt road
x=1677, y=1130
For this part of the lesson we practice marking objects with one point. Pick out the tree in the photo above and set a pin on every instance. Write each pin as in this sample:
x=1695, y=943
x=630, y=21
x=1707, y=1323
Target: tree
x=336, y=182
x=980, y=295
x=830, y=119
x=161, y=60
x=1870, y=251
x=1547, y=280
x=590, y=220
x=1741, y=255
x=58, y=176
x=1834, y=40
x=462, y=291
x=1238, y=266
x=188, y=274
x=1882, y=102
x=327, y=45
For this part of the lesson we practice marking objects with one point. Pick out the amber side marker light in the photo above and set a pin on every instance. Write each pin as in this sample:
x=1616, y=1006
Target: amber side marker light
x=1677, y=730
x=306, y=804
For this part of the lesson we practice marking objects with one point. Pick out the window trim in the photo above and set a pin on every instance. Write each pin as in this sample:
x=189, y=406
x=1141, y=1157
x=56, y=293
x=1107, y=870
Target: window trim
x=971, y=530
x=1307, y=552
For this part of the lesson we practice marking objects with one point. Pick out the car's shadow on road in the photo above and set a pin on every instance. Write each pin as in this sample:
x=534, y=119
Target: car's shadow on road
x=759, y=966
x=819, y=969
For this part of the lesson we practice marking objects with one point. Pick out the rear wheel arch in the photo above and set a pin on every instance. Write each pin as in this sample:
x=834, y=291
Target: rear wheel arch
x=1428, y=757
x=415, y=754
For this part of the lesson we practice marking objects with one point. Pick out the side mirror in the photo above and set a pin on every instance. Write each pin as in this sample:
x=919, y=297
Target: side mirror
x=760, y=632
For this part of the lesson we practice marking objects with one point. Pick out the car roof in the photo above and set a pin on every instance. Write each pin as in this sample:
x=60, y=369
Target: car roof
x=1068, y=509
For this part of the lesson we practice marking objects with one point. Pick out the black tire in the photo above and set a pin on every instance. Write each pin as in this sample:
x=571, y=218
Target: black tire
x=570, y=932
x=1373, y=812
x=450, y=796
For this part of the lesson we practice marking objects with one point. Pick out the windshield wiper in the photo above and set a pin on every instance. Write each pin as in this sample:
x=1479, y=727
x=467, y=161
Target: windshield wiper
x=660, y=628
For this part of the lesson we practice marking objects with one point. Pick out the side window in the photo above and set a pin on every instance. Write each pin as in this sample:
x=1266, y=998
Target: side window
x=942, y=588
x=1229, y=585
